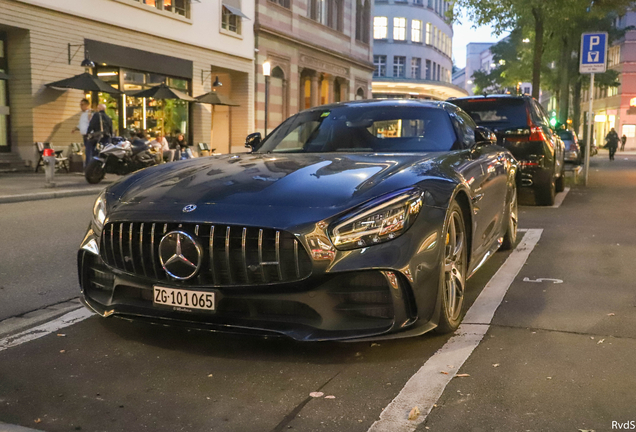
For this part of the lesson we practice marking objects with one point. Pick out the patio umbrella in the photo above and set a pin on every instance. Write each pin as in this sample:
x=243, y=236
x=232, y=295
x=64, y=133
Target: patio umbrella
x=86, y=82
x=161, y=92
x=213, y=98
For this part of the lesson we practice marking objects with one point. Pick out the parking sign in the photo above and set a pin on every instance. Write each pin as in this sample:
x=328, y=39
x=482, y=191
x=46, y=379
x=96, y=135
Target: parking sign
x=593, y=52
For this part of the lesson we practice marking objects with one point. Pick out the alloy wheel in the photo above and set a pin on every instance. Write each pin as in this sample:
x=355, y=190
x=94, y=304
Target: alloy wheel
x=454, y=267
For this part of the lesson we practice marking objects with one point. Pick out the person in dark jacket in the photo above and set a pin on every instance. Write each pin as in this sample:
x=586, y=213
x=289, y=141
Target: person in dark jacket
x=612, y=142
x=182, y=144
x=623, y=142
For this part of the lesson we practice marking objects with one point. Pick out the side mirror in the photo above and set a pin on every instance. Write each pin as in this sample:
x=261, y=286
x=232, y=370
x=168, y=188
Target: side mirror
x=253, y=140
x=484, y=136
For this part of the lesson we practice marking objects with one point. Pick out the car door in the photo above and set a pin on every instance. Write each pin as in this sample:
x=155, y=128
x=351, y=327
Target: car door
x=485, y=170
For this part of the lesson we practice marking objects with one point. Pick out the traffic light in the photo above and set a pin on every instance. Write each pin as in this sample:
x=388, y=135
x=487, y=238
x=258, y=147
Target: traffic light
x=553, y=118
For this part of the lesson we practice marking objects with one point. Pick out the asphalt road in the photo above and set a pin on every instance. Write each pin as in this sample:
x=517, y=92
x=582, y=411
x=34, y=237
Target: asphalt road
x=563, y=352
x=38, y=247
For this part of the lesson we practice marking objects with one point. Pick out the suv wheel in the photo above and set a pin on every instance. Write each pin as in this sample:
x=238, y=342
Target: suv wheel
x=560, y=182
x=545, y=193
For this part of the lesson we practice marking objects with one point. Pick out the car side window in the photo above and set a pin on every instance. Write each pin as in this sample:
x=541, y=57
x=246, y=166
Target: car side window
x=466, y=126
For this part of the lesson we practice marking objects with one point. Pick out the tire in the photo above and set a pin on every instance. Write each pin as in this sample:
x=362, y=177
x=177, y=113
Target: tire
x=545, y=193
x=453, y=271
x=94, y=172
x=559, y=184
x=512, y=215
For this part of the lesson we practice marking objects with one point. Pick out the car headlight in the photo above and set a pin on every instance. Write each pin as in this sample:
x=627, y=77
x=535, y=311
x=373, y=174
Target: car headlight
x=378, y=221
x=99, y=211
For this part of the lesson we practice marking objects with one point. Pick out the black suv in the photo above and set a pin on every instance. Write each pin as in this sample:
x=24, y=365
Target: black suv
x=522, y=126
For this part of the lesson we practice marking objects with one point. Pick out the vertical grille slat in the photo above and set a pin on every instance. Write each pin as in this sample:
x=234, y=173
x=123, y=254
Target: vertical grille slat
x=211, y=252
x=130, y=247
x=227, y=254
x=280, y=272
x=152, y=251
x=141, y=248
x=232, y=255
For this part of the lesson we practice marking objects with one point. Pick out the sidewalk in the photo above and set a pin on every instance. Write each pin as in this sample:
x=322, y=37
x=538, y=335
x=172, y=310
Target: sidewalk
x=18, y=187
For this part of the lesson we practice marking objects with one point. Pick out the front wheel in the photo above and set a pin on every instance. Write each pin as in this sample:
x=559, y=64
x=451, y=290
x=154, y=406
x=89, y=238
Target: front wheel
x=453, y=271
x=510, y=236
x=94, y=172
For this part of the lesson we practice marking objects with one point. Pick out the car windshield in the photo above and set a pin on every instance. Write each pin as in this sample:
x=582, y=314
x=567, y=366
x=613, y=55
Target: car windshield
x=496, y=113
x=363, y=129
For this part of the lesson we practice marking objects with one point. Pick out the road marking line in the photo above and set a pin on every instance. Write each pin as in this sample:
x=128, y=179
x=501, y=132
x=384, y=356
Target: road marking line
x=558, y=200
x=45, y=329
x=426, y=386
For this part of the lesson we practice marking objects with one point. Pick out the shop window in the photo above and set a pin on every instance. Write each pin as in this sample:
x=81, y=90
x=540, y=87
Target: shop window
x=399, y=29
x=380, y=30
x=429, y=29
x=360, y=93
x=380, y=65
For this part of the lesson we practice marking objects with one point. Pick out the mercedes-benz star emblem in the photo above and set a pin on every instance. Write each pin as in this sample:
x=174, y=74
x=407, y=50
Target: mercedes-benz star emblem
x=189, y=208
x=180, y=255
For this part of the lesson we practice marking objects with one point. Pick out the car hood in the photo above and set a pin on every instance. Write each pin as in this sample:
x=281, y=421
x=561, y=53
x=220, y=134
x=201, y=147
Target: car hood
x=241, y=188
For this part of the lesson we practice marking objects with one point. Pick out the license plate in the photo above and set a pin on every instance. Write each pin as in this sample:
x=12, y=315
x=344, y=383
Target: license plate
x=179, y=298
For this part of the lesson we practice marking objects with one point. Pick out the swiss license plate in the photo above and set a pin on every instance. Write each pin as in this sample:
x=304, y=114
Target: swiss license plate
x=179, y=298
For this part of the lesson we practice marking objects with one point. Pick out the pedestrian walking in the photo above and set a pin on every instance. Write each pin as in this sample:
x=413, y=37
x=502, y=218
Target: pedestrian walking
x=612, y=143
x=100, y=130
x=623, y=141
x=82, y=125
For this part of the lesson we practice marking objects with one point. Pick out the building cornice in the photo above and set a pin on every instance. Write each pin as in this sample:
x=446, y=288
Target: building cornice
x=273, y=32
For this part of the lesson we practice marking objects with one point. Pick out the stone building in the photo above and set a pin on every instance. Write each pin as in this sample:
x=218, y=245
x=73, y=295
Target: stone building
x=309, y=53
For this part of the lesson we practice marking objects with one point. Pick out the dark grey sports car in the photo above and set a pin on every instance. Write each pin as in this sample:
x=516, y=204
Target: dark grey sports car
x=355, y=220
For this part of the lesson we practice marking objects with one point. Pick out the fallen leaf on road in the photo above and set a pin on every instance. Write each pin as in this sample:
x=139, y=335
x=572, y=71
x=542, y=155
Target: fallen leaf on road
x=462, y=375
x=495, y=365
x=586, y=430
x=358, y=354
x=316, y=394
x=330, y=397
x=444, y=372
x=61, y=334
x=600, y=342
x=592, y=337
x=375, y=344
x=38, y=420
x=359, y=421
x=62, y=351
x=611, y=314
x=415, y=413
x=210, y=375
x=549, y=378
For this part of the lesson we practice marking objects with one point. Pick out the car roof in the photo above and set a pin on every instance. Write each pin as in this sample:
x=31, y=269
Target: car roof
x=387, y=103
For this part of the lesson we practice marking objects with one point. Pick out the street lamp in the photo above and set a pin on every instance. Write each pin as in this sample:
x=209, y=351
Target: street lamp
x=87, y=62
x=267, y=70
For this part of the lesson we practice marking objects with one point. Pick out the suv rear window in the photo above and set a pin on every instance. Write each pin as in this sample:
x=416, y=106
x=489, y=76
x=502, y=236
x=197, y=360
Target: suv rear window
x=496, y=113
x=566, y=135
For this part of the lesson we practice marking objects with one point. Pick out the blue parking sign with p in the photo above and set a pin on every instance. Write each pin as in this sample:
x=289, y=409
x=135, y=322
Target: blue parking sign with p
x=593, y=52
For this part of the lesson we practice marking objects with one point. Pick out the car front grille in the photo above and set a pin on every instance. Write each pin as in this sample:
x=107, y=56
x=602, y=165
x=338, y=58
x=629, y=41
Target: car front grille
x=232, y=255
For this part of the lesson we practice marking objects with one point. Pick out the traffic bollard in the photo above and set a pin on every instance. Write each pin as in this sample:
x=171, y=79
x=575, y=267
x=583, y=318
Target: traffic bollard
x=49, y=167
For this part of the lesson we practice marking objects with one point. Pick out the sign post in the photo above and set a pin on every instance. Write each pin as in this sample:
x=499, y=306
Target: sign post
x=593, y=60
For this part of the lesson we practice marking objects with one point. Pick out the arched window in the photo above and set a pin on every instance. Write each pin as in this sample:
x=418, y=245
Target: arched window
x=360, y=93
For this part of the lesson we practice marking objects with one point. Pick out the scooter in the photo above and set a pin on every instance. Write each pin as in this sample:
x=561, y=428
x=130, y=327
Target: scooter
x=119, y=157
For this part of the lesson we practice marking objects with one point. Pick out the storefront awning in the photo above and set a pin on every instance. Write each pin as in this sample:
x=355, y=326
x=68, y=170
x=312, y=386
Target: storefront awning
x=235, y=10
x=162, y=91
x=86, y=82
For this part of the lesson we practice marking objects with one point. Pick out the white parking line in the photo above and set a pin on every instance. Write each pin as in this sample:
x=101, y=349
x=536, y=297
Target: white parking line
x=45, y=329
x=425, y=387
x=558, y=200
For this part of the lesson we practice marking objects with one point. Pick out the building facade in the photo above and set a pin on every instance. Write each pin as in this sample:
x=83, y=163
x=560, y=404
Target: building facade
x=310, y=53
x=412, y=51
x=615, y=107
x=135, y=44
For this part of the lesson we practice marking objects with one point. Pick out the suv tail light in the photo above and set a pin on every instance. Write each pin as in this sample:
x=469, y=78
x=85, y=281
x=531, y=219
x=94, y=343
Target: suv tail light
x=533, y=161
x=537, y=134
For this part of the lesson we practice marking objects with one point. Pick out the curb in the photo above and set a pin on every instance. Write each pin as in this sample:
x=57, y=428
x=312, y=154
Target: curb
x=4, y=427
x=63, y=193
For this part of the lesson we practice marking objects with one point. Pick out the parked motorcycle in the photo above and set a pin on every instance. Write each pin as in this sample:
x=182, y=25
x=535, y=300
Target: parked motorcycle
x=121, y=158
